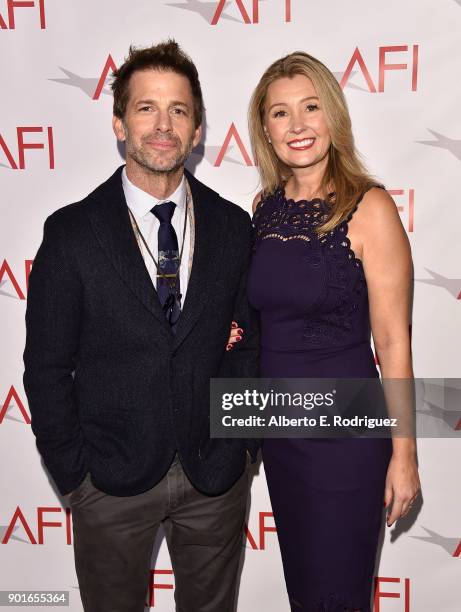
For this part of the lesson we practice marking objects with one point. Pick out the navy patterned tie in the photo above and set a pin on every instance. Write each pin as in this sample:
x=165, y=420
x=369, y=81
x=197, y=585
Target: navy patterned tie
x=168, y=288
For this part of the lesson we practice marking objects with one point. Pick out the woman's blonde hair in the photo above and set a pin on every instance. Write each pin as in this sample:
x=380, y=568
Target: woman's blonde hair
x=345, y=174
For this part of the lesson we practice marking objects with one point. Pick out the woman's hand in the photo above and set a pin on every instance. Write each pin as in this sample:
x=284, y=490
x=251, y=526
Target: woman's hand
x=236, y=334
x=402, y=486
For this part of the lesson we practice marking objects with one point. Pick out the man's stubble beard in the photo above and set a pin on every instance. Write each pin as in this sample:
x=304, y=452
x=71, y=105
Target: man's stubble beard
x=142, y=159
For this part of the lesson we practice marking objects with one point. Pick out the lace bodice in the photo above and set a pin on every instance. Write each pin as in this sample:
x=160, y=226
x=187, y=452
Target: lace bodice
x=310, y=288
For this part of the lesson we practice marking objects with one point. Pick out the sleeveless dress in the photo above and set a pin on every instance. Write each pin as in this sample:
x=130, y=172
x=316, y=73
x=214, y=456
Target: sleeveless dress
x=326, y=494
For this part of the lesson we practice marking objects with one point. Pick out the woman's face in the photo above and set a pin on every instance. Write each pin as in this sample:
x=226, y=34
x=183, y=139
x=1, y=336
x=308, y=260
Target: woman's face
x=295, y=122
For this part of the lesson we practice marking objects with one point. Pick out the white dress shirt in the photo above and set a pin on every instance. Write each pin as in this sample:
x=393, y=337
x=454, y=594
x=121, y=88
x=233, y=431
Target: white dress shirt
x=140, y=204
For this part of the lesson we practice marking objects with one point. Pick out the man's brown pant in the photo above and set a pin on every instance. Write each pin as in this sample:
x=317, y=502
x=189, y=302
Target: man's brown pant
x=114, y=538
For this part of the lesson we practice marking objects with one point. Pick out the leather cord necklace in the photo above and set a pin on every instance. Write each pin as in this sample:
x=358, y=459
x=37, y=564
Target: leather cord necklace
x=169, y=276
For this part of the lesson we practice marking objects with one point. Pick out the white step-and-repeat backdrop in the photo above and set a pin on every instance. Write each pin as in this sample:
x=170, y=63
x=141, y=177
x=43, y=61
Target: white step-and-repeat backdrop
x=399, y=63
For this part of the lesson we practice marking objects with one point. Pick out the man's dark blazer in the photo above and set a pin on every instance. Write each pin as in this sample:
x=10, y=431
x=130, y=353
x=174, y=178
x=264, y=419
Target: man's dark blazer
x=111, y=390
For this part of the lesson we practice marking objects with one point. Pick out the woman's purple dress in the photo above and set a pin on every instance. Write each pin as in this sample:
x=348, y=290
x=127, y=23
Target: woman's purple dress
x=327, y=494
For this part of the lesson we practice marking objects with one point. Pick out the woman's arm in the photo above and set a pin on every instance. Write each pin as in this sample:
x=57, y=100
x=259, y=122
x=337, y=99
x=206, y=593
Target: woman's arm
x=236, y=332
x=376, y=232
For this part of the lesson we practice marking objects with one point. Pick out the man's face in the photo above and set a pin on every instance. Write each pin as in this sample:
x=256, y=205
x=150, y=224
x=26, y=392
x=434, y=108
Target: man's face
x=158, y=127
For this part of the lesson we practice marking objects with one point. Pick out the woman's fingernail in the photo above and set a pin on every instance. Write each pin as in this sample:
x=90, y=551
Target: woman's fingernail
x=238, y=338
x=240, y=330
x=234, y=324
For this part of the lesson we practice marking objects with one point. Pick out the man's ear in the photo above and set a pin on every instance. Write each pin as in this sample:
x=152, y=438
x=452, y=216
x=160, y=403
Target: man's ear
x=197, y=136
x=119, y=130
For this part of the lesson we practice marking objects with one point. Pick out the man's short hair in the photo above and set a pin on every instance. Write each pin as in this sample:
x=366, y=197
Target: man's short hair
x=163, y=57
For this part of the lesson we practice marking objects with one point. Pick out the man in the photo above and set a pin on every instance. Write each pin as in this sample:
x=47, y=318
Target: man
x=131, y=299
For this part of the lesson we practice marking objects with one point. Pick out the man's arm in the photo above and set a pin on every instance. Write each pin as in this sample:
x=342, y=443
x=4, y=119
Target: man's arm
x=53, y=326
x=243, y=360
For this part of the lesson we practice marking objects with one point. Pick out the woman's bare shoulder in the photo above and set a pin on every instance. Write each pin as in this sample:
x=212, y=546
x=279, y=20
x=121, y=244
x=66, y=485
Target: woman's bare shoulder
x=377, y=205
x=378, y=222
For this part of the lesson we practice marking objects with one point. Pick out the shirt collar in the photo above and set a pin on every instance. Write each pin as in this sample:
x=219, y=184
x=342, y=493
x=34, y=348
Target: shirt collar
x=141, y=203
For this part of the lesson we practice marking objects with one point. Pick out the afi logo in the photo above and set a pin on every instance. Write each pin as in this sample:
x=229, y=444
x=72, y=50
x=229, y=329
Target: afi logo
x=402, y=592
x=6, y=274
x=22, y=145
x=93, y=87
x=9, y=22
x=217, y=154
x=215, y=11
x=108, y=66
x=13, y=400
x=384, y=65
x=262, y=528
x=232, y=135
x=243, y=11
x=407, y=207
x=153, y=585
x=34, y=529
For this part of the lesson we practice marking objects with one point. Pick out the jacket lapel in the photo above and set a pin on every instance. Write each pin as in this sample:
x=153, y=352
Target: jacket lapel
x=210, y=222
x=111, y=224
x=109, y=218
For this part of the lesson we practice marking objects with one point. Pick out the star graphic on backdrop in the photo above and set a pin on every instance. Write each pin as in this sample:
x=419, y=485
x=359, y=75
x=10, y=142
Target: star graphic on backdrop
x=15, y=297
x=210, y=153
x=4, y=529
x=452, y=285
x=447, y=406
x=449, y=417
x=448, y=544
x=444, y=142
x=206, y=10
x=339, y=75
x=12, y=418
x=86, y=84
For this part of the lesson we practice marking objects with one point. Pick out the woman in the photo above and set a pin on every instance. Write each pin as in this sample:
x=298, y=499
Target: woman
x=331, y=261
